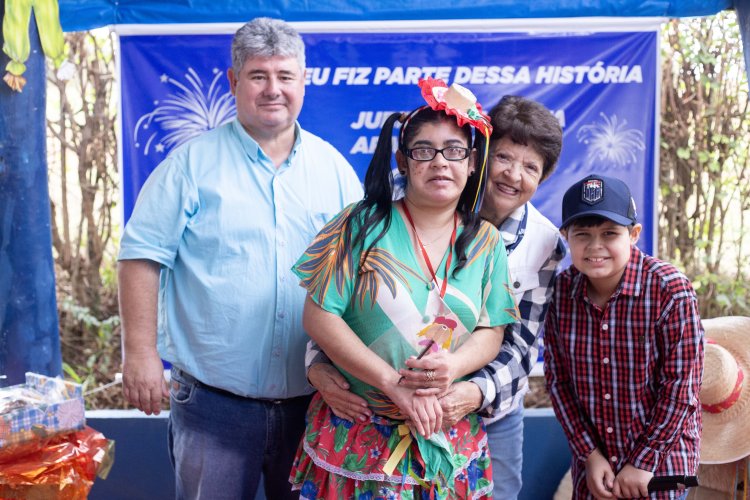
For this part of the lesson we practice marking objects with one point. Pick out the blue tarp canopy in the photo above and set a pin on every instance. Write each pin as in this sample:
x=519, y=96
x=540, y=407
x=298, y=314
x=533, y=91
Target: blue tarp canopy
x=78, y=15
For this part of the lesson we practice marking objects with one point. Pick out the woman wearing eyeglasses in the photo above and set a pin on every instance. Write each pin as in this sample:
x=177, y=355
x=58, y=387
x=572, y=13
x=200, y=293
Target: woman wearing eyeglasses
x=387, y=281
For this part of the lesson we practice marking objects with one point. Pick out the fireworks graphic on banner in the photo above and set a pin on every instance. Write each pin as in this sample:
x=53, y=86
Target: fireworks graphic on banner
x=188, y=111
x=610, y=144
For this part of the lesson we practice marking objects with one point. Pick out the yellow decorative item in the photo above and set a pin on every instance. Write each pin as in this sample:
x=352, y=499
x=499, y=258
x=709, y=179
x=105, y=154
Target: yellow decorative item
x=398, y=453
x=16, y=42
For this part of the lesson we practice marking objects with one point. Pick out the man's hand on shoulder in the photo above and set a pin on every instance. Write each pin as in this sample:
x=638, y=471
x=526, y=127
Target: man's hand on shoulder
x=335, y=391
x=632, y=482
x=143, y=381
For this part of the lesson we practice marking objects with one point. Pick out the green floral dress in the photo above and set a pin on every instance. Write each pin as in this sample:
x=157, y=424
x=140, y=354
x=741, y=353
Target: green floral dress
x=388, y=302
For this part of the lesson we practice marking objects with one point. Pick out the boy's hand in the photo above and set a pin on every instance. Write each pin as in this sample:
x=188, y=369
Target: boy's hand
x=599, y=476
x=632, y=482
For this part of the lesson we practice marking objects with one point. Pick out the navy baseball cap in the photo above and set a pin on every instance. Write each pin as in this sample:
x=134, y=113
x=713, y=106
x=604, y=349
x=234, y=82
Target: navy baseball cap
x=597, y=195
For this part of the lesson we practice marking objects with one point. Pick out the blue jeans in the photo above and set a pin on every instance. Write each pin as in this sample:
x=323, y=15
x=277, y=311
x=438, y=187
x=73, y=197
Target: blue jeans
x=505, y=438
x=219, y=443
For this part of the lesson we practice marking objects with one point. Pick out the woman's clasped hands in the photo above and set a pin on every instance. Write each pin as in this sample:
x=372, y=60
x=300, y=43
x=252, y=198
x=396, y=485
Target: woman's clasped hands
x=431, y=375
x=423, y=414
x=419, y=388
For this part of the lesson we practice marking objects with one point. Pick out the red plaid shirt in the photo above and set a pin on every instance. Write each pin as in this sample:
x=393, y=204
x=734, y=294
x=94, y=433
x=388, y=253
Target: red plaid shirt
x=625, y=379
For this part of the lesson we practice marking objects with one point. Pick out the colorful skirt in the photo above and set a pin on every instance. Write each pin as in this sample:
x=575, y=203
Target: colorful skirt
x=338, y=459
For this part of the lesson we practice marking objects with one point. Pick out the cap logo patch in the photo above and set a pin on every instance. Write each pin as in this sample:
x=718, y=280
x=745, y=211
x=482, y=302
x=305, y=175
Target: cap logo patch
x=593, y=191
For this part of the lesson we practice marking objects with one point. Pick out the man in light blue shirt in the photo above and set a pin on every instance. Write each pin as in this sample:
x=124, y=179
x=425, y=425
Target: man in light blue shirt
x=205, y=261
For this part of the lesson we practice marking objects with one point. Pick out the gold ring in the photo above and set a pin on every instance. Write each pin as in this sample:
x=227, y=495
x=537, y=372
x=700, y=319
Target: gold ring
x=430, y=375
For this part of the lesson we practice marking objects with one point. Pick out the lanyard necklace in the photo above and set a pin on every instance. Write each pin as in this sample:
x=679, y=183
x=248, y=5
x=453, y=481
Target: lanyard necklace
x=424, y=252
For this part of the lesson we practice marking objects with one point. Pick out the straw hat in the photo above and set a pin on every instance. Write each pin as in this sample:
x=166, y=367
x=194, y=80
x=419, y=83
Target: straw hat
x=725, y=393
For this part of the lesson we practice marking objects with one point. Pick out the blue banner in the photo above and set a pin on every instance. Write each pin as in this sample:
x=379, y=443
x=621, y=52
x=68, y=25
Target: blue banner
x=80, y=15
x=601, y=86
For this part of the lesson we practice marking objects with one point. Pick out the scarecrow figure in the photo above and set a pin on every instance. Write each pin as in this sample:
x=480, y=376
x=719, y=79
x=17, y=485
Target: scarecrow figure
x=16, y=38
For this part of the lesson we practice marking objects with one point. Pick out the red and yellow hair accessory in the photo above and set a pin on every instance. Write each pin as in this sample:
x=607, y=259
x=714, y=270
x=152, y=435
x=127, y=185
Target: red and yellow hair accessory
x=456, y=101
x=460, y=102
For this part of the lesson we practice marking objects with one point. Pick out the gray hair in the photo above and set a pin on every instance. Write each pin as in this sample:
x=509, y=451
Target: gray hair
x=266, y=37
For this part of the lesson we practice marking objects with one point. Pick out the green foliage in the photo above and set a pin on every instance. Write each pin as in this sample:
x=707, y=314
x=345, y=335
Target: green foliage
x=721, y=295
x=91, y=346
x=72, y=373
x=82, y=159
x=683, y=153
x=103, y=329
x=704, y=193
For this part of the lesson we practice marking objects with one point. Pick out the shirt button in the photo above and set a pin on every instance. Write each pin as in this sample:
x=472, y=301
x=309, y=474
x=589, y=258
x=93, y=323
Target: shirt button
x=610, y=430
x=516, y=284
x=282, y=315
x=613, y=459
x=281, y=243
x=605, y=326
x=605, y=361
x=608, y=396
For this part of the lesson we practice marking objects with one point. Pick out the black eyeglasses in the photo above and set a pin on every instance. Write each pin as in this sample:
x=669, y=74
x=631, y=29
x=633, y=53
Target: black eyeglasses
x=452, y=153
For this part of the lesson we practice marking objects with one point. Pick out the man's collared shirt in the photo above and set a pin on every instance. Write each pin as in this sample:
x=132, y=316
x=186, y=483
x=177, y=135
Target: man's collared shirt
x=226, y=226
x=625, y=378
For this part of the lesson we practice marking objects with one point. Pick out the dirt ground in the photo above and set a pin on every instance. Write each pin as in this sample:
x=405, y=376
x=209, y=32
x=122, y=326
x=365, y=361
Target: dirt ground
x=537, y=397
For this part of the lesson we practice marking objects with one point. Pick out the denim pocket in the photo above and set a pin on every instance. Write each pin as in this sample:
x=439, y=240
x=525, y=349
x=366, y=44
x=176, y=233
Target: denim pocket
x=180, y=388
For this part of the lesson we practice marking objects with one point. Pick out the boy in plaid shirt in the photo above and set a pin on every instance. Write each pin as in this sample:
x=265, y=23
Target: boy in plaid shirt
x=624, y=351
